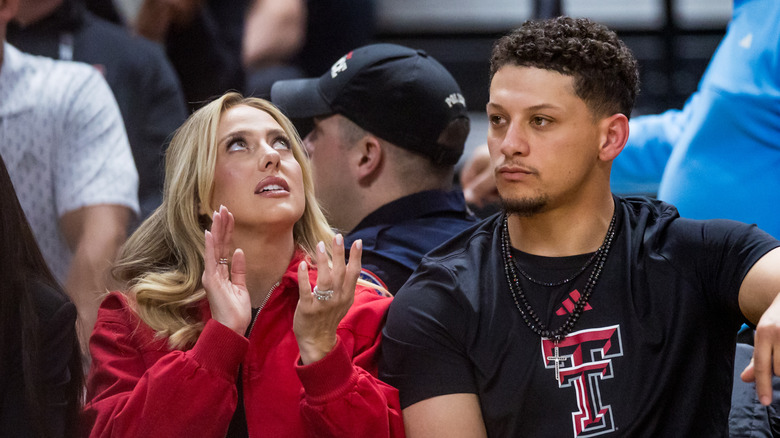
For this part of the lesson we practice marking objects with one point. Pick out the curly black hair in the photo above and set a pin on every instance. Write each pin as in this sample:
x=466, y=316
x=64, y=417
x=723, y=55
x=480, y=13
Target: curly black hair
x=604, y=70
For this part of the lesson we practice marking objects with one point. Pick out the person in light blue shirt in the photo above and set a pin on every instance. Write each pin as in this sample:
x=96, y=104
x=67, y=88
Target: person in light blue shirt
x=718, y=157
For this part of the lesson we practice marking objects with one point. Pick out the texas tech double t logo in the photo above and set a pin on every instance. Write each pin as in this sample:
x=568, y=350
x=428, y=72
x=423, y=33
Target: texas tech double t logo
x=584, y=360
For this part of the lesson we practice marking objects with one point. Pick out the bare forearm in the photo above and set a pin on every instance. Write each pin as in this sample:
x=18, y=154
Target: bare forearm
x=94, y=234
x=451, y=415
x=760, y=286
x=89, y=278
x=154, y=19
x=274, y=32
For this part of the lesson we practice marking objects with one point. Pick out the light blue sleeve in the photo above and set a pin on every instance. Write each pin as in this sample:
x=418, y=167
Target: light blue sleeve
x=639, y=167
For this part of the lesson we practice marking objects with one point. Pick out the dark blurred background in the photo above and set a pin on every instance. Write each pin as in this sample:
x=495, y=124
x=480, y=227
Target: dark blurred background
x=672, y=39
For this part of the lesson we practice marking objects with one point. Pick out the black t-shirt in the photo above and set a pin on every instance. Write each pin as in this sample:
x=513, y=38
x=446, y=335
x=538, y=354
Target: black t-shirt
x=553, y=302
x=652, y=354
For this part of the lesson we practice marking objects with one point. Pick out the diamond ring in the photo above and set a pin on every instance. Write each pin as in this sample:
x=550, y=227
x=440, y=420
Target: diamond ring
x=322, y=295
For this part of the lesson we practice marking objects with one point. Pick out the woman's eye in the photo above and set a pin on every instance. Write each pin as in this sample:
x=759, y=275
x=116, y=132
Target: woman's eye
x=236, y=145
x=282, y=143
x=496, y=120
x=540, y=121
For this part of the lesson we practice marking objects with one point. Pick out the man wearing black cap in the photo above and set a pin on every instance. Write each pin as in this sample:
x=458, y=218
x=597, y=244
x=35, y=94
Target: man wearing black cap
x=389, y=123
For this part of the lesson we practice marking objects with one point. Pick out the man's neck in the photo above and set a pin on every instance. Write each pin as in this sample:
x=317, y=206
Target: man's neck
x=32, y=12
x=562, y=232
x=361, y=201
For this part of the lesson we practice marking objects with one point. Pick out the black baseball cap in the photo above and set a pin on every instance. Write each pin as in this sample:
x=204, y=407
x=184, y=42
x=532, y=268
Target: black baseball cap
x=399, y=94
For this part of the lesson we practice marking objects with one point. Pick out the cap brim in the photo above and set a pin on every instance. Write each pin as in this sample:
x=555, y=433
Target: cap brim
x=299, y=98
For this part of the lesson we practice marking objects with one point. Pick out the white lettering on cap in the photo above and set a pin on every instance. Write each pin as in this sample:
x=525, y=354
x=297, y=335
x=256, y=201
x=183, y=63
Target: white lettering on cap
x=340, y=65
x=455, y=98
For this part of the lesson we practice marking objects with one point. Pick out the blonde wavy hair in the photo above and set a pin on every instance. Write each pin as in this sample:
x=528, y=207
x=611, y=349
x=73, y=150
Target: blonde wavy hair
x=161, y=264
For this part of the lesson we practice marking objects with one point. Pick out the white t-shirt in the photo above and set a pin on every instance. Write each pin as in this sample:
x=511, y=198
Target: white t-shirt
x=64, y=143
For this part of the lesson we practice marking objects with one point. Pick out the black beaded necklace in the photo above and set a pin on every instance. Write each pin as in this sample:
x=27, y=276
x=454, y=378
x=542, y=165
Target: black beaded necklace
x=530, y=317
x=560, y=282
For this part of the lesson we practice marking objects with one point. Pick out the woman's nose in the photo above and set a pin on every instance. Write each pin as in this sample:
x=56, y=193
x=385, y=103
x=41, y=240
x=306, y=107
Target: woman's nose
x=269, y=158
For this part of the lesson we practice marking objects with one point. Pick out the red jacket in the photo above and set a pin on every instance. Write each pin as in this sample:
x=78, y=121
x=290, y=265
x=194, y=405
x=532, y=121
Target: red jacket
x=138, y=387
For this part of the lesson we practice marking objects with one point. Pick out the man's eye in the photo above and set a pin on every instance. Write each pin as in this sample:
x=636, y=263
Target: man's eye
x=540, y=121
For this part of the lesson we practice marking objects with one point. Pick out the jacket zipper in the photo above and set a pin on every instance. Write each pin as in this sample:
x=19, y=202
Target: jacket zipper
x=259, y=309
x=249, y=335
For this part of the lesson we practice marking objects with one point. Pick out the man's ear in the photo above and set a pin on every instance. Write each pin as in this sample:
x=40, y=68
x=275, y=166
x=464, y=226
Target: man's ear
x=8, y=10
x=614, y=134
x=370, y=159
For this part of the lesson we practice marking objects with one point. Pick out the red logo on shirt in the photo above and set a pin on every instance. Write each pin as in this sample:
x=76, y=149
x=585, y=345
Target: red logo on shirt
x=587, y=360
x=567, y=306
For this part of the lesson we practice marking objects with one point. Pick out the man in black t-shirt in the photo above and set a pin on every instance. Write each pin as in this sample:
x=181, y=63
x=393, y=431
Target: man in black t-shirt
x=574, y=312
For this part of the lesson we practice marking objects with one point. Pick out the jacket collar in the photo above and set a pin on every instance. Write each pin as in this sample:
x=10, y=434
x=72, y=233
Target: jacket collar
x=416, y=205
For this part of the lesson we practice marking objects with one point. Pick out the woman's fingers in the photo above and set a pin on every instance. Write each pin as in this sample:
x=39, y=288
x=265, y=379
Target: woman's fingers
x=222, y=223
x=304, y=289
x=216, y=255
x=209, y=260
x=224, y=279
x=238, y=269
x=216, y=231
x=333, y=275
x=227, y=218
x=354, y=266
x=324, y=279
x=337, y=271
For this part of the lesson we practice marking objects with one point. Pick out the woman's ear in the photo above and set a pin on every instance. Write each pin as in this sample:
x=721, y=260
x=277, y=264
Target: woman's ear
x=614, y=135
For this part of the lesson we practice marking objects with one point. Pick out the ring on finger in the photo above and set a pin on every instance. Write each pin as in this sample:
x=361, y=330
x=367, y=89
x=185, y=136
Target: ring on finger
x=222, y=261
x=322, y=295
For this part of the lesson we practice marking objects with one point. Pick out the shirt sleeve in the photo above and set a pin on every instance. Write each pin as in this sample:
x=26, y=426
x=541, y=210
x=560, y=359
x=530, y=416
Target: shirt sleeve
x=343, y=397
x=720, y=252
x=424, y=345
x=93, y=163
x=159, y=393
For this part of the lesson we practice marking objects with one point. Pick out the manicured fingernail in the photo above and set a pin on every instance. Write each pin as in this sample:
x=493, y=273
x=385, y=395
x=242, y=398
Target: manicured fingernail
x=359, y=244
x=321, y=247
x=302, y=266
x=339, y=239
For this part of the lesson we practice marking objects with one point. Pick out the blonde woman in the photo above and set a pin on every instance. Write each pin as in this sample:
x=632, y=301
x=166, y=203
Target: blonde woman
x=233, y=322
